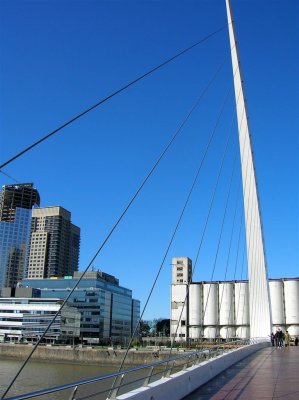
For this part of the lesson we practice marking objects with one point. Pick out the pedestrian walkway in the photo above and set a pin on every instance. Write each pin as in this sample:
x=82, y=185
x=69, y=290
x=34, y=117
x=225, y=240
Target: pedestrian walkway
x=268, y=374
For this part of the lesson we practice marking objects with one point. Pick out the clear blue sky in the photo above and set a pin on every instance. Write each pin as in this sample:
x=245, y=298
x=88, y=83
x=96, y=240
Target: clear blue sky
x=59, y=57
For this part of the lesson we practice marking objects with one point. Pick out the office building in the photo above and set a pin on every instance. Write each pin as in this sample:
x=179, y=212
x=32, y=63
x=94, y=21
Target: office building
x=109, y=314
x=220, y=309
x=26, y=318
x=54, y=243
x=16, y=203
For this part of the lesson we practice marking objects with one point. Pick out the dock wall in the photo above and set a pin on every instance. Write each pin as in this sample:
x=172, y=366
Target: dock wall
x=85, y=355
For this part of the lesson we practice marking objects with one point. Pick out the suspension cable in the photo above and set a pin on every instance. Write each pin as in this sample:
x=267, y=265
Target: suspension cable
x=242, y=268
x=232, y=230
x=173, y=138
x=203, y=234
x=110, y=96
x=219, y=239
x=207, y=219
x=9, y=176
x=236, y=205
x=171, y=239
x=231, y=236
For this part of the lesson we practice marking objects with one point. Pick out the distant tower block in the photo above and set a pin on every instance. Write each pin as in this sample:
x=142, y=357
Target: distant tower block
x=54, y=243
x=259, y=299
x=181, y=277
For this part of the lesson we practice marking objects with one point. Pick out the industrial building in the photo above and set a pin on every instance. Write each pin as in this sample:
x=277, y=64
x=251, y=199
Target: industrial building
x=210, y=310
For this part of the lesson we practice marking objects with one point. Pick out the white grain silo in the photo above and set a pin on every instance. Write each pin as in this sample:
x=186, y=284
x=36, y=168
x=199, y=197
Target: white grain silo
x=210, y=304
x=226, y=304
x=210, y=309
x=291, y=297
x=277, y=303
x=243, y=332
x=241, y=305
x=195, y=311
x=210, y=332
x=227, y=332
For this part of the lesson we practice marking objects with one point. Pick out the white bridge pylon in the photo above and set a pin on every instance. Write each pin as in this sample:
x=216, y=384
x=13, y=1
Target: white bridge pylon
x=259, y=299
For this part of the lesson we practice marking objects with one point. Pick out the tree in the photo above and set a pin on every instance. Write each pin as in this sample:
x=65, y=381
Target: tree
x=163, y=327
x=144, y=328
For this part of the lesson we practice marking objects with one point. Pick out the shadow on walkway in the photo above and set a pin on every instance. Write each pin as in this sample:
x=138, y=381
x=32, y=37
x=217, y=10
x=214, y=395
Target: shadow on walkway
x=268, y=374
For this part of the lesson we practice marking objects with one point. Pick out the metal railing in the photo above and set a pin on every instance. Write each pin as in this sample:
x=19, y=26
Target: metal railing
x=109, y=386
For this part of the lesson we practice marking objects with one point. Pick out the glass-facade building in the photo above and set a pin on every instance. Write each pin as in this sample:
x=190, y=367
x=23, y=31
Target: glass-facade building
x=16, y=203
x=108, y=312
x=14, y=241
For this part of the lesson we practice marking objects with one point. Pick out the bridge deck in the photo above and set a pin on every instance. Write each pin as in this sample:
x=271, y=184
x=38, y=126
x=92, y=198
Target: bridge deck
x=268, y=374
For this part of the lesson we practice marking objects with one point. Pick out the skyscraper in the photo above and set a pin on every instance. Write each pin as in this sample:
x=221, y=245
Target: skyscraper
x=16, y=203
x=22, y=195
x=54, y=243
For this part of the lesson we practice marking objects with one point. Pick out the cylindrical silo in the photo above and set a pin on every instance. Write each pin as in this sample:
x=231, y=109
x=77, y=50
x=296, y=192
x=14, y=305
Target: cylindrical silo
x=241, y=303
x=226, y=304
x=195, y=332
x=293, y=330
x=291, y=297
x=195, y=310
x=227, y=332
x=277, y=306
x=243, y=332
x=210, y=304
x=210, y=332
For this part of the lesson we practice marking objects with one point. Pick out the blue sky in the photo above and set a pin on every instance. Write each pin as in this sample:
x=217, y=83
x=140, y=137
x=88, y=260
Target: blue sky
x=59, y=57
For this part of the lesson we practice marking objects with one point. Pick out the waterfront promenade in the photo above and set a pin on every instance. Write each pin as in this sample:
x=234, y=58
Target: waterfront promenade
x=268, y=374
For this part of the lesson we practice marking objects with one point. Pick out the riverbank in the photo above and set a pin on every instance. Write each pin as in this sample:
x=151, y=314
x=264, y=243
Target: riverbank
x=82, y=355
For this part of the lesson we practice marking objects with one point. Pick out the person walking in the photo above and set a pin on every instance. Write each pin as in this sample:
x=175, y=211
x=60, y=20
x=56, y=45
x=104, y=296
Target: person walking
x=296, y=341
x=276, y=339
x=287, y=339
x=272, y=337
x=279, y=338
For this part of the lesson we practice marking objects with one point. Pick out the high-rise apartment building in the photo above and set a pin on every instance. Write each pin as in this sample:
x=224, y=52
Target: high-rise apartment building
x=16, y=203
x=54, y=243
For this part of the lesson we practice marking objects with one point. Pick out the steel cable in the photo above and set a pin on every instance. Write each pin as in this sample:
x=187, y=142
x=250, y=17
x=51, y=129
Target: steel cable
x=206, y=222
x=174, y=231
x=126, y=86
x=173, y=138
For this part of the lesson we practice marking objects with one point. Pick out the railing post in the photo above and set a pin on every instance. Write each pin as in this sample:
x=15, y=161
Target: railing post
x=168, y=371
x=186, y=365
x=147, y=379
x=72, y=396
x=116, y=385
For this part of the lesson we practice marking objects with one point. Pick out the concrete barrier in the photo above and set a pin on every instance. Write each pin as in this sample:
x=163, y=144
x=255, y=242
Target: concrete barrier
x=185, y=382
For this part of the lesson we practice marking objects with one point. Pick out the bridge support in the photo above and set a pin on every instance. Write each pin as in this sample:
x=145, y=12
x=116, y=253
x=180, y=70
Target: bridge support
x=259, y=299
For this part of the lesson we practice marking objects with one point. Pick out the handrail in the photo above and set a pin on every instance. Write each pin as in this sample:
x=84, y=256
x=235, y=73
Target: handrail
x=196, y=356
